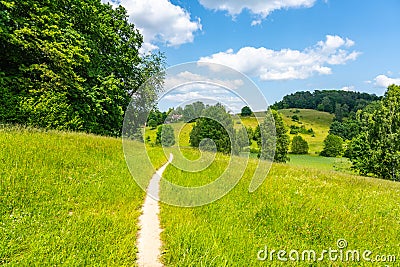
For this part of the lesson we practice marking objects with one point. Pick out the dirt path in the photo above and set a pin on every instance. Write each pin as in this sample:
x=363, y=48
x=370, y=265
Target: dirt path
x=149, y=242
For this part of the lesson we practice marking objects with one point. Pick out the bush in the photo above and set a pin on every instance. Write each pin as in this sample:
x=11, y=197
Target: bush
x=295, y=118
x=299, y=145
x=333, y=146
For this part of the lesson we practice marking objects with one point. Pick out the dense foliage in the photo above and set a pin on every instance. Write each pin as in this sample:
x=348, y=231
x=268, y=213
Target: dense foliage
x=156, y=117
x=165, y=136
x=346, y=129
x=70, y=64
x=242, y=138
x=272, y=132
x=376, y=150
x=246, y=111
x=299, y=145
x=216, y=125
x=340, y=103
x=333, y=146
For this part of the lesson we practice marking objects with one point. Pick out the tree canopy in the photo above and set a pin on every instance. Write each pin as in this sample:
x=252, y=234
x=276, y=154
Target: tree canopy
x=333, y=146
x=246, y=111
x=165, y=136
x=272, y=132
x=299, y=145
x=217, y=125
x=376, y=150
x=341, y=103
x=70, y=64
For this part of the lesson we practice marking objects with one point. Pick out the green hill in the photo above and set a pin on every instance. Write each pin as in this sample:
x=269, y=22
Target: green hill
x=318, y=121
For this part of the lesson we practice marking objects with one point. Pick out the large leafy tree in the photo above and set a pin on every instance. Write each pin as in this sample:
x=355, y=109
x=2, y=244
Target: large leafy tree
x=272, y=132
x=376, y=150
x=69, y=64
x=333, y=146
x=299, y=145
x=217, y=125
x=242, y=138
x=165, y=135
x=246, y=111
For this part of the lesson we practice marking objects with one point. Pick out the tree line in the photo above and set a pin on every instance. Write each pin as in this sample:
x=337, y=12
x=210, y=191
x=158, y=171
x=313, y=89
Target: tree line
x=341, y=103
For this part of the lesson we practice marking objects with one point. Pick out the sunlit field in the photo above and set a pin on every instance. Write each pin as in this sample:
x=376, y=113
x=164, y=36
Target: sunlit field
x=67, y=198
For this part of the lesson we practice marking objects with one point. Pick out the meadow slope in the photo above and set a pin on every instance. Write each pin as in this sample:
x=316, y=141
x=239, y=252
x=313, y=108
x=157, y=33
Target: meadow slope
x=296, y=208
x=67, y=199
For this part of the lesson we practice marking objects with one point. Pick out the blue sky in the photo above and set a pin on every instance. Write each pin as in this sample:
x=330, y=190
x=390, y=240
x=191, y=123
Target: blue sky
x=283, y=46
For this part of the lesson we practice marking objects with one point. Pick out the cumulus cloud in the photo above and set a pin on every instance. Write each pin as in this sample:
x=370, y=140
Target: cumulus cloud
x=288, y=64
x=348, y=88
x=206, y=94
x=188, y=87
x=259, y=8
x=160, y=21
x=385, y=81
x=199, y=81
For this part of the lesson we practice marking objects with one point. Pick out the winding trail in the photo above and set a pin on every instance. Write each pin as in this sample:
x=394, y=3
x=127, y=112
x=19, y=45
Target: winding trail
x=149, y=242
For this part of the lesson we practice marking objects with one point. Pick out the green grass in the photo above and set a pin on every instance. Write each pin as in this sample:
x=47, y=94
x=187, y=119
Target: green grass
x=182, y=133
x=295, y=208
x=323, y=163
x=251, y=122
x=68, y=199
x=317, y=120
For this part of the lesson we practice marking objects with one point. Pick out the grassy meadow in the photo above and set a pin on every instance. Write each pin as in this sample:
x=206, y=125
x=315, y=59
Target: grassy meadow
x=67, y=199
x=297, y=207
x=317, y=120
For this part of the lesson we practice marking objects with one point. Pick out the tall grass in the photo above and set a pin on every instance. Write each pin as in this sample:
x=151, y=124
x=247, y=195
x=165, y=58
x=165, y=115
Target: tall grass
x=67, y=199
x=295, y=208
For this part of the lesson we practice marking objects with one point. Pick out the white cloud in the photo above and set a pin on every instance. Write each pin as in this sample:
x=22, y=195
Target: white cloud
x=210, y=95
x=188, y=87
x=385, y=81
x=160, y=21
x=256, y=22
x=199, y=81
x=260, y=8
x=288, y=64
x=348, y=88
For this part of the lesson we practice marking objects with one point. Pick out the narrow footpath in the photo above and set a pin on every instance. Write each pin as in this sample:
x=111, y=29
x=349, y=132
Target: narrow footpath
x=149, y=242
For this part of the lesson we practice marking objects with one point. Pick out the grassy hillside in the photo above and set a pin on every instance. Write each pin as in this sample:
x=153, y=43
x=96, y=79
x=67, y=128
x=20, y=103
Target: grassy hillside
x=317, y=120
x=296, y=208
x=67, y=199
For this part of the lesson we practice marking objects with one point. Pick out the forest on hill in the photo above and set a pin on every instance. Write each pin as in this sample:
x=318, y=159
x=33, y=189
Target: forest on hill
x=338, y=102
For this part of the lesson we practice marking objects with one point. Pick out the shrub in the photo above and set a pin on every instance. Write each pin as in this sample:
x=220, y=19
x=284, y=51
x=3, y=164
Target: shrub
x=299, y=145
x=333, y=146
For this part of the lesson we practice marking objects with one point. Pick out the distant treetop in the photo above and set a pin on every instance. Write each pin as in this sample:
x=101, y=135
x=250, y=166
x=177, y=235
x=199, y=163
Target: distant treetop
x=338, y=102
